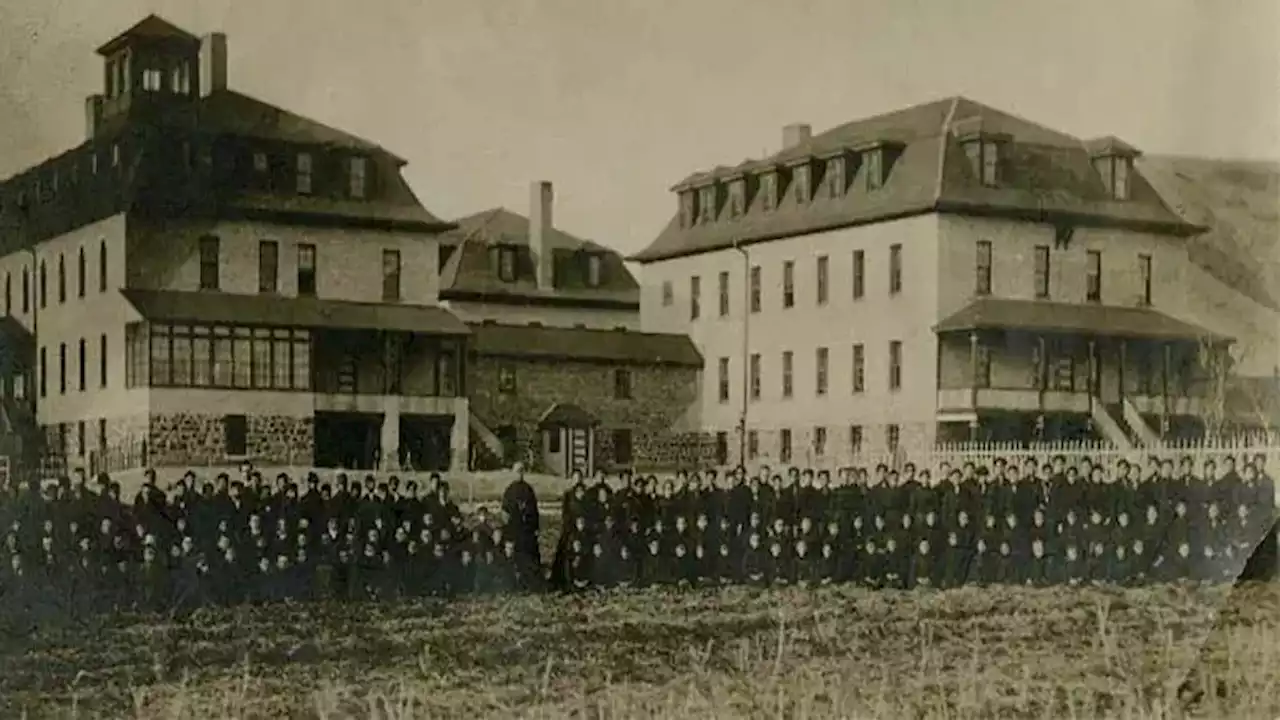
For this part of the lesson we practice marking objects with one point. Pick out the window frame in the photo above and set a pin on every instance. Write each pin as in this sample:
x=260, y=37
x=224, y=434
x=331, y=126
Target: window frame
x=210, y=253
x=982, y=282
x=391, y=275
x=307, y=274
x=1042, y=269
x=268, y=267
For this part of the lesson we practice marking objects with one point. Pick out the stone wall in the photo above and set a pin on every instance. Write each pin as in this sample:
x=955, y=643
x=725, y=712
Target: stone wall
x=661, y=396
x=191, y=439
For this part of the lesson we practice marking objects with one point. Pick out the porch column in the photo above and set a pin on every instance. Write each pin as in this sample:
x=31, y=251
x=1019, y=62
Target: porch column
x=460, y=436
x=389, y=447
x=973, y=370
x=1094, y=372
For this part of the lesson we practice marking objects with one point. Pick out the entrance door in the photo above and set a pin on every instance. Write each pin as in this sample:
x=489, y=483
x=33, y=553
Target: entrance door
x=554, y=457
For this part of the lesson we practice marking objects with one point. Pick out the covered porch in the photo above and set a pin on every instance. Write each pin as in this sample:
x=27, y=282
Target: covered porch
x=386, y=381
x=1007, y=368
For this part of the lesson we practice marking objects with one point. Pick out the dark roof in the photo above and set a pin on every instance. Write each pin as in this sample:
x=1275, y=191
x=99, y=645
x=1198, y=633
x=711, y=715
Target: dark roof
x=1239, y=202
x=470, y=270
x=304, y=312
x=1084, y=318
x=17, y=346
x=1045, y=176
x=152, y=27
x=567, y=415
x=558, y=343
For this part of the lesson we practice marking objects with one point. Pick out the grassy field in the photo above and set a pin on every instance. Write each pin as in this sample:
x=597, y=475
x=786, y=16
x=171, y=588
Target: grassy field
x=795, y=653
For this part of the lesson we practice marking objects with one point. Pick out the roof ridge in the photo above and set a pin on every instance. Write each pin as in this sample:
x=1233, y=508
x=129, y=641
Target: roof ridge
x=942, y=148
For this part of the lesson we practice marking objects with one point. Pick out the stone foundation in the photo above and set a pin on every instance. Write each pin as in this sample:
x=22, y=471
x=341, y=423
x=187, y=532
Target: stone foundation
x=190, y=439
x=282, y=440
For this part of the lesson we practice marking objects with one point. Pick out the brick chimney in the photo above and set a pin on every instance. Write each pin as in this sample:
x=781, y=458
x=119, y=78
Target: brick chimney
x=795, y=134
x=92, y=116
x=213, y=63
x=541, y=199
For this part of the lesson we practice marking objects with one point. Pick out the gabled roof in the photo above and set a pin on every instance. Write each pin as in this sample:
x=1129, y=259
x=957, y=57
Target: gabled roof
x=1046, y=175
x=152, y=27
x=470, y=270
x=1238, y=201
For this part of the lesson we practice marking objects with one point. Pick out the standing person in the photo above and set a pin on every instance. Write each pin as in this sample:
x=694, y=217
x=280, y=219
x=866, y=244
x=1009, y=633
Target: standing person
x=520, y=503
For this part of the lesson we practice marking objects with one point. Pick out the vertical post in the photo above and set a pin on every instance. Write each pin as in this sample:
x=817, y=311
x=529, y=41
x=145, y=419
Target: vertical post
x=973, y=370
x=1167, y=366
x=1124, y=364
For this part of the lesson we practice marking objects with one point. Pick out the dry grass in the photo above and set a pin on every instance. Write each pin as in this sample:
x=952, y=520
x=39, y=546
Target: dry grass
x=830, y=652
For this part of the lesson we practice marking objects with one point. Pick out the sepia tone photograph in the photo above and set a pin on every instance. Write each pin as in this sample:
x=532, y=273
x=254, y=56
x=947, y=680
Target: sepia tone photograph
x=639, y=359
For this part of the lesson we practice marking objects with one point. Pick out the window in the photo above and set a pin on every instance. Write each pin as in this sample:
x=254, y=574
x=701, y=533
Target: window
x=622, y=384
x=268, y=266
x=26, y=290
x=786, y=374
x=80, y=272
x=137, y=355
x=982, y=366
x=161, y=356
x=736, y=193
x=356, y=176
x=892, y=434
x=595, y=273
x=210, y=248
x=724, y=294
x=1042, y=271
x=875, y=169
x=754, y=376
x=152, y=79
x=984, y=268
x=1093, y=277
x=84, y=362
x=44, y=286
x=1144, y=277
x=201, y=357
x=859, y=274
x=695, y=291
x=62, y=368
x=307, y=269
x=800, y=181
x=181, y=80
x=835, y=177
x=755, y=288
x=1121, y=179
x=784, y=445
x=819, y=441
x=984, y=159
x=895, y=269
x=687, y=205
x=722, y=447
x=668, y=294
x=855, y=439
x=823, y=272
x=44, y=372
x=553, y=441
x=707, y=204
x=390, y=275
x=102, y=360
x=102, y=266
x=859, y=368
x=304, y=174
x=261, y=359
x=622, y=446
x=260, y=163
x=768, y=190
x=722, y=379
x=62, y=279
x=788, y=284
x=820, y=371
x=753, y=444
x=895, y=364
x=235, y=434
x=507, y=379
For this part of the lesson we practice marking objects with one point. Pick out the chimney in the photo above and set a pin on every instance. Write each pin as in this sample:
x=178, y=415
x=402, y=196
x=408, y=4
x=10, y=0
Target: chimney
x=92, y=115
x=795, y=134
x=213, y=63
x=540, y=224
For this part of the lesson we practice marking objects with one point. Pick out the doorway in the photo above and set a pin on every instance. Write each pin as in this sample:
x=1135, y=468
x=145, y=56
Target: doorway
x=348, y=440
x=426, y=442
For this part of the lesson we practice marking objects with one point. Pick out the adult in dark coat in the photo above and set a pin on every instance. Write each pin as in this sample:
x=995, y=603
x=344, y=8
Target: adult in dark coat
x=520, y=504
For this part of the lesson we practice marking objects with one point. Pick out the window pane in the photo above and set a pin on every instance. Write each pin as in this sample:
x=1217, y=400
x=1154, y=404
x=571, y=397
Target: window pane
x=160, y=365
x=243, y=359
x=301, y=364
x=222, y=364
x=262, y=359
x=181, y=357
x=200, y=367
x=281, y=367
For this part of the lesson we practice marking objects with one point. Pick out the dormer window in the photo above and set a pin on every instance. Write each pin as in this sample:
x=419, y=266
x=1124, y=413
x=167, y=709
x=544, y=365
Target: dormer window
x=800, y=176
x=688, y=208
x=304, y=173
x=506, y=263
x=875, y=168
x=359, y=167
x=707, y=204
x=836, y=178
x=737, y=197
x=984, y=159
x=769, y=189
x=595, y=268
x=1115, y=171
x=180, y=80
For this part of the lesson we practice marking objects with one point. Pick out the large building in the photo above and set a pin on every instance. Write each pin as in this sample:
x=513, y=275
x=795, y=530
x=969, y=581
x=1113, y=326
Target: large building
x=207, y=277
x=559, y=374
x=944, y=272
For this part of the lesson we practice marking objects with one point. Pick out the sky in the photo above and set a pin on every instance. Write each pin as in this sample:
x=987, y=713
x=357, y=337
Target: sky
x=614, y=101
